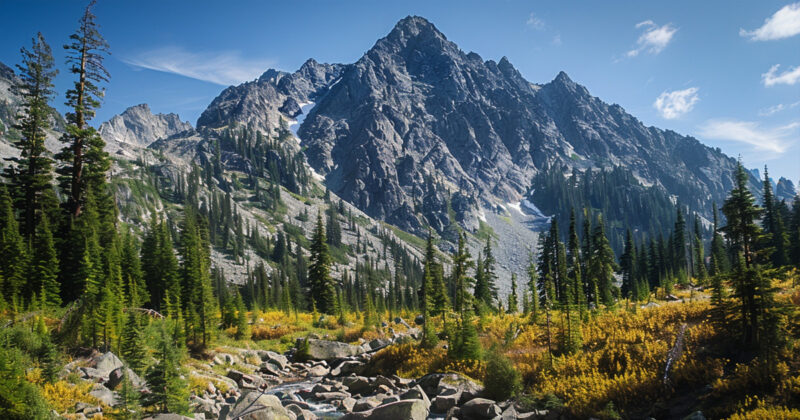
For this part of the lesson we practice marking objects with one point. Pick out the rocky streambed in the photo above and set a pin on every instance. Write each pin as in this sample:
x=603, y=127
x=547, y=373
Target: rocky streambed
x=317, y=379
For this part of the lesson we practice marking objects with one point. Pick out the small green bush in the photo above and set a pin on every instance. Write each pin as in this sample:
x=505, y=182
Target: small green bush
x=502, y=380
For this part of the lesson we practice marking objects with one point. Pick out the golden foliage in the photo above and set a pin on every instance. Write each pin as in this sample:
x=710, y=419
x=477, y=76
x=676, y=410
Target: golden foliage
x=63, y=396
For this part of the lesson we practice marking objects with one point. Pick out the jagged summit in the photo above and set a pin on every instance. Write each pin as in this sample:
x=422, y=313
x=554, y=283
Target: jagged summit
x=412, y=27
x=138, y=126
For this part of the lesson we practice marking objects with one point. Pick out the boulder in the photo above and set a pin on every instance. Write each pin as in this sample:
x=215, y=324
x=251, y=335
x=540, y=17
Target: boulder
x=347, y=404
x=245, y=380
x=357, y=384
x=479, y=409
x=116, y=375
x=105, y=395
x=264, y=407
x=401, y=321
x=318, y=371
x=168, y=416
x=379, y=343
x=330, y=396
x=430, y=384
x=106, y=362
x=327, y=350
x=365, y=404
x=419, y=320
x=443, y=403
x=416, y=393
x=401, y=410
x=347, y=367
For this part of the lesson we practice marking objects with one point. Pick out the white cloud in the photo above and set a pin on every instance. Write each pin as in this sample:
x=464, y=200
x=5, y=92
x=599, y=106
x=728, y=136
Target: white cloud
x=789, y=77
x=776, y=140
x=557, y=40
x=784, y=23
x=534, y=22
x=222, y=67
x=654, y=39
x=673, y=104
x=766, y=112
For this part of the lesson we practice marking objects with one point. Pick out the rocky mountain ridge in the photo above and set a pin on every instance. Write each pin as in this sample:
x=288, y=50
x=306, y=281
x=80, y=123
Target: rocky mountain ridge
x=420, y=133
x=138, y=126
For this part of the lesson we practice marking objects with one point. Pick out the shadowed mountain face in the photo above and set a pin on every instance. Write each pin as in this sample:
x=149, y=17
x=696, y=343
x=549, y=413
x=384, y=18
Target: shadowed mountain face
x=419, y=133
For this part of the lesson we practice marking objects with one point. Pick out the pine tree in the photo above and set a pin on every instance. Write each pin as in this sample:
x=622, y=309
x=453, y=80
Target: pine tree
x=742, y=233
x=794, y=233
x=33, y=173
x=127, y=405
x=45, y=265
x=627, y=267
x=678, y=246
x=169, y=393
x=322, y=289
x=700, y=272
x=777, y=243
x=426, y=295
x=533, y=288
x=512, y=297
x=85, y=161
x=603, y=263
x=719, y=256
x=242, y=327
x=133, y=346
x=13, y=250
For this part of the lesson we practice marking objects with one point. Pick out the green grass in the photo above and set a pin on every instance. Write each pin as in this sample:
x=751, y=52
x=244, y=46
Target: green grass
x=484, y=231
x=408, y=238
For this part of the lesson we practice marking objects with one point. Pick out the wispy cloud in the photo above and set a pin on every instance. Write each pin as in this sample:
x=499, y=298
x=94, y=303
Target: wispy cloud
x=654, y=38
x=556, y=40
x=789, y=77
x=776, y=140
x=220, y=67
x=766, y=112
x=784, y=23
x=673, y=104
x=534, y=22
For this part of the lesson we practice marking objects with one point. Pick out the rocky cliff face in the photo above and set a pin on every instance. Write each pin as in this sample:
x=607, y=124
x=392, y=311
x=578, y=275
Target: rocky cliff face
x=416, y=114
x=138, y=126
x=273, y=97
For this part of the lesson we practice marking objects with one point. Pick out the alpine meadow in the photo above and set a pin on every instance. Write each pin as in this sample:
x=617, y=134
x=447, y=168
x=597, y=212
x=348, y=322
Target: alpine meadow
x=409, y=232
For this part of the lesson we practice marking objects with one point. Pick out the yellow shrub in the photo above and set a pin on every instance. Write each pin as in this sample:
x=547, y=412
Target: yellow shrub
x=264, y=332
x=63, y=395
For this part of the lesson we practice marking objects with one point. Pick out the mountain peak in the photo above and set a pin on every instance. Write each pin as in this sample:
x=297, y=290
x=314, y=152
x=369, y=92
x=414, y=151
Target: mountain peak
x=414, y=26
x=563, y=78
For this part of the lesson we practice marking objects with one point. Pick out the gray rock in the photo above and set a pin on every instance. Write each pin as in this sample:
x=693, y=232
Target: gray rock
x=347, y=367
x=366, y=404
x=264, y=407
x=115, y=378
x=328, y=350
x=357, y=384
x=479, y=409
x=401, y=410
x=416, y=393
x=103, y=394
x=379, y=343
x=106, y=362
x=401, y=321
x=443, y=403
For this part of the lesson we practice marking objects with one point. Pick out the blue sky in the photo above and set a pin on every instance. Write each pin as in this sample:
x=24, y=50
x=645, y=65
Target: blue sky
x=725, y=72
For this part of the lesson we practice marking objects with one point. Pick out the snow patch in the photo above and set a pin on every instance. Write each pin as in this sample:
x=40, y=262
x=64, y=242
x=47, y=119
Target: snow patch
x=305, y=107
x=515, y=206
x=533, y=209
x=482, y=216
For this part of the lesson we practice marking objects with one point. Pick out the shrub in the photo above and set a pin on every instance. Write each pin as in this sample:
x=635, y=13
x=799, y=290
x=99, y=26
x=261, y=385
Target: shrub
x=502, y=380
